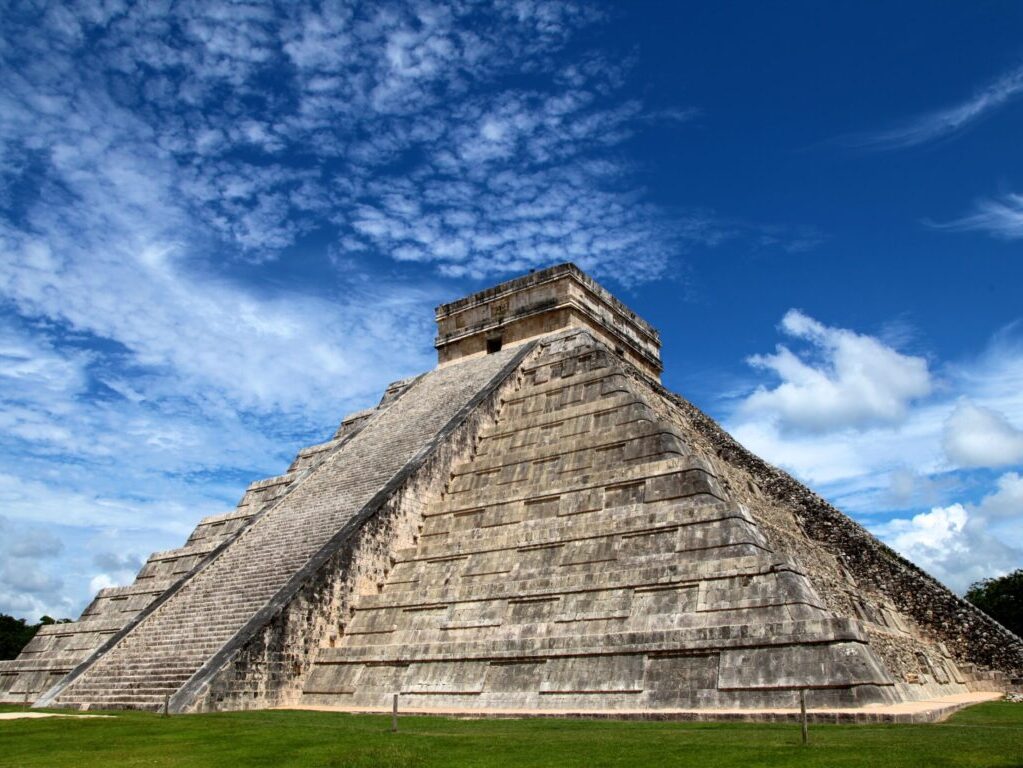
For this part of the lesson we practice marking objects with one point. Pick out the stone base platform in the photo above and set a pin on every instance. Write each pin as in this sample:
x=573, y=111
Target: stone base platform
x=929, y=711
x=36, y=715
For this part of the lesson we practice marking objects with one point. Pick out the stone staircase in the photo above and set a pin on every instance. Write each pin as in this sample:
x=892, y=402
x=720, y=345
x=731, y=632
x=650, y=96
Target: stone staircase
x=195, y=629
x=58, y=649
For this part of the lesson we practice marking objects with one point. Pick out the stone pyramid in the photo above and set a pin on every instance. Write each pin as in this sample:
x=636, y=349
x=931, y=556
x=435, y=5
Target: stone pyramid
x=534, y=526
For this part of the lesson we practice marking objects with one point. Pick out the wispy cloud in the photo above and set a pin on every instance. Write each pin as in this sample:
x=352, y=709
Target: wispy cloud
x=948, y=121
x=222, y=225
x=156, y=163
x=1000, y=217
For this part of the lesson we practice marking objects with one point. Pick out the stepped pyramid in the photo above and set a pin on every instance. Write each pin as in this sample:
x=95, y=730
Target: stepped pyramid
x=535, y=526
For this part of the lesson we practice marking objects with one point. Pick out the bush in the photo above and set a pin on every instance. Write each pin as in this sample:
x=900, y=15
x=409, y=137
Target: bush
x=1001, y=599
x=15, y=633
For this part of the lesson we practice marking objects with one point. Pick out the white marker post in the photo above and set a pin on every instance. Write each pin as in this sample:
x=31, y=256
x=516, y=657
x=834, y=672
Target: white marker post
x=394, y=715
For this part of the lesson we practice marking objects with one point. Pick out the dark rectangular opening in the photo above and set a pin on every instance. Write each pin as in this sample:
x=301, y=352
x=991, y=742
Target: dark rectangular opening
x=493, y=344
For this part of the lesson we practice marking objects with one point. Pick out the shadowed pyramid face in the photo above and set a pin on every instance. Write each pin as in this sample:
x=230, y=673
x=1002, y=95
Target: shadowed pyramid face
x=534, y=526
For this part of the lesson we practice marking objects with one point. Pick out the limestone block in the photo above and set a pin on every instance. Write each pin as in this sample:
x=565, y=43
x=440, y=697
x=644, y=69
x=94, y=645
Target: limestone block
x=598, y=605
x=590, y=552
x=475, y=615
x=373, y=622
x=672, y=600
x=680, y=485
x=336, y=679
x=445, y=677
x=593, y=674
x=673, y=680
x=384, y=678
x=515, y=676
x=801, y=666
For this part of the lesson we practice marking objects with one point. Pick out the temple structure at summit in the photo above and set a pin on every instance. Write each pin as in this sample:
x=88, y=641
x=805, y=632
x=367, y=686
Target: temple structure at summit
x=534, y=526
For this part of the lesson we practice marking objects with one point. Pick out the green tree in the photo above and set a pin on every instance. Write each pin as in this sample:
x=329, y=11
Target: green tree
x=1001, y=599
x=15, y=633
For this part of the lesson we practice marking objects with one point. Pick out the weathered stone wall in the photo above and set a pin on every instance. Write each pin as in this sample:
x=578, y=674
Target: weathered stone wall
x=270, y=669
x=836, y=549
x=590, y=555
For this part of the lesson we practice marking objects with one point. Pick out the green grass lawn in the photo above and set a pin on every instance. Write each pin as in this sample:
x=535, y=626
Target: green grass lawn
x=984, y=735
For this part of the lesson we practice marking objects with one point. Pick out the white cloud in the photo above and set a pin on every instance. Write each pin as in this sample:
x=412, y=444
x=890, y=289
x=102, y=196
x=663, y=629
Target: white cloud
x=287, y=351
x=864, y=464
x=930, y=532
x=926, y=456
x=981, y=437
x=30, y=578
x=1006, y=503
x=961, y=544
x=101, y=581
x=1001, y=217
x=845, y=379
x=939, y=542
x=922, y=446
x=944, y=122
x=909, y=488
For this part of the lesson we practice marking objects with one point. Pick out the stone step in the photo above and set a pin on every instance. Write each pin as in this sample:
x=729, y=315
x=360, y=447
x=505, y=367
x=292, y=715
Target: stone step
x=666, y=546
x=621, y=408
x=608, y=477
x=159, y=679
x=134, y=691
x=546, y=528
x=569, y=469
x=555, y=620
x=309, y=456
x=671, y=574
x=162, y=667
x=539, y=451
x=171, y=645
x=824, y=629
x=199, y=549
x=117, y=702
x=569, y=362
x=557, y=385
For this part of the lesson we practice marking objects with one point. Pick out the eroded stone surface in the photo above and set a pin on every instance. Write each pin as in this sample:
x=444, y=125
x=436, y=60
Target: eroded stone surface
x=541, y=529
x=593, y=555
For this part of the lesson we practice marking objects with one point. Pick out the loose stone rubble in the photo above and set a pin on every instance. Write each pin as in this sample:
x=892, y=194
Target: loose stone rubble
x=534, y=526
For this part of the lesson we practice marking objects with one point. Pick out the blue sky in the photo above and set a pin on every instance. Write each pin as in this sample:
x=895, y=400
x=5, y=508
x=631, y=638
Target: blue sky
x=222, y=227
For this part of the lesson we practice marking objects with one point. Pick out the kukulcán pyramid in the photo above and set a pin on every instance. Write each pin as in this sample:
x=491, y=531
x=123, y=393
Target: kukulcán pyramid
x=535, y=525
